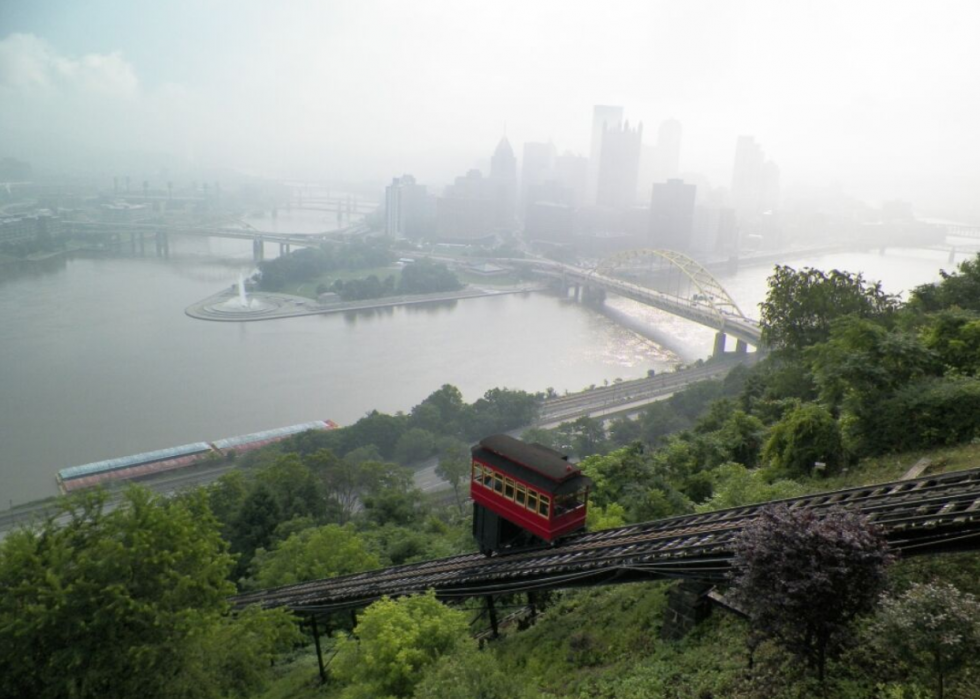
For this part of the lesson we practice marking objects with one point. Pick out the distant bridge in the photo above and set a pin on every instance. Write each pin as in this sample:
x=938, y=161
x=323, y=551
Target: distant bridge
x=962, y=230
x=703, y=301
x=159, y=234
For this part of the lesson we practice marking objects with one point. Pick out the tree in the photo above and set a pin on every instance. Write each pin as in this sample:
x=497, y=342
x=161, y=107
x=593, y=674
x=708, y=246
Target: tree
x=313, y=554
x=499, y=410
x=454, y=467
x=294, y=487
x=960, y=289
x=590, y=436
x=414, y=445
x=396, y=641
x=807, y=435
x=425, y=277
x=934, y=627
x=803, y=576
x=440, y=412
x=736, y=486
x=120, y=602
x=802, y=304
x=378, y=429
x=253, y=526
x=472, y=674
x=955, y=337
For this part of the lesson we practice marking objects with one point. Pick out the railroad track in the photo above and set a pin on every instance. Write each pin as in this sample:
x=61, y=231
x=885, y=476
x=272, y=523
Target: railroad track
x=926, y=515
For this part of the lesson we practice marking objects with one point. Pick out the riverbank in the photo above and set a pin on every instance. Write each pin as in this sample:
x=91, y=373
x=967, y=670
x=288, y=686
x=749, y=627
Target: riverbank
x=225, y=307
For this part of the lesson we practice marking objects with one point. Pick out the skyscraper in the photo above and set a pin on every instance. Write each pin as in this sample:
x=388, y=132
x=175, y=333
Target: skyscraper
x=572, y=172
x=537, y=167
x=405, y=204
x=672, y=214
x=503, y=181
x=755, y=180
x=619, y=166
x=603, y=117
x=669, y=149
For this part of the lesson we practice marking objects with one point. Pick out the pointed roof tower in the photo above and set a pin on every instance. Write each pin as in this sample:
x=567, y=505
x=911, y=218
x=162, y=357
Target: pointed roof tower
x=503, y=164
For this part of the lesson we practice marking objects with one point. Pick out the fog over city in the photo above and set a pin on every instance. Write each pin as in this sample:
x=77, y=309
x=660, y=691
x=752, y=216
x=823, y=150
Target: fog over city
x=873, y=99
x=438, y=349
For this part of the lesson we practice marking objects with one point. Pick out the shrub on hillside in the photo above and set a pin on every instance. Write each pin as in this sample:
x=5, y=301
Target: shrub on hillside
x=804, y=575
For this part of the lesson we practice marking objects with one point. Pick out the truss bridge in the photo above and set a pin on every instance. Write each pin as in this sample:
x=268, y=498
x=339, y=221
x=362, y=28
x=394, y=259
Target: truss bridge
x=665, y=279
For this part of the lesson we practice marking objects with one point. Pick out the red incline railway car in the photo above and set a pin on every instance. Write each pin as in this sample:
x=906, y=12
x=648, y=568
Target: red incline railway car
x=524, y=494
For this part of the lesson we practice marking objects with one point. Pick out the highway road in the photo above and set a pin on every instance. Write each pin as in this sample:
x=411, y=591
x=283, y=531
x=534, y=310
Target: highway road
x=603, y=401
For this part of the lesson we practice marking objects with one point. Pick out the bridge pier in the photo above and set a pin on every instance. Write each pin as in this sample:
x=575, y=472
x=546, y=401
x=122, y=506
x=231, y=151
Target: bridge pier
x=576, y=292
x=283, y=249
x=592, y=294
x=741, y=347
x=952, y=255
x=258, y=249
x=163, y=244
x=687, y=606
x=719, y=350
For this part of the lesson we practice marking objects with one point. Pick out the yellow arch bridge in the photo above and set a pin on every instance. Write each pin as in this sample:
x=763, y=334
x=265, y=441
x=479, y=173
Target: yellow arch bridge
x=665, y=279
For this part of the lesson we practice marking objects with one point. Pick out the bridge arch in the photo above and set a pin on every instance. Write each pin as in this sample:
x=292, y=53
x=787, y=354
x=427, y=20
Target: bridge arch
x=710, y=292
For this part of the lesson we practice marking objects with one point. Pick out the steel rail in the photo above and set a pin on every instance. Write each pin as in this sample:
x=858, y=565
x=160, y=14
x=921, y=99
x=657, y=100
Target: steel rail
x=924, y=515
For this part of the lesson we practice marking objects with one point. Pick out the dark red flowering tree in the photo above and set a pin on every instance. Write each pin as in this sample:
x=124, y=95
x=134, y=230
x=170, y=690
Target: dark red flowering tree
x=803, y=575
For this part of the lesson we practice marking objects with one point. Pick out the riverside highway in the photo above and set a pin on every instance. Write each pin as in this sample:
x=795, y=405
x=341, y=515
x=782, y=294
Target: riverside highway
x=615, y=399
x=605, y=401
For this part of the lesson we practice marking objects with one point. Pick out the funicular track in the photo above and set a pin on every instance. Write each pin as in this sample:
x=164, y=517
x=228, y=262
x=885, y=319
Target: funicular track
x=927, y=515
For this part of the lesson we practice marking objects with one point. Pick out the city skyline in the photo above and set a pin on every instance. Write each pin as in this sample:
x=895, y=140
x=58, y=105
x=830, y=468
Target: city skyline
x=367, y=91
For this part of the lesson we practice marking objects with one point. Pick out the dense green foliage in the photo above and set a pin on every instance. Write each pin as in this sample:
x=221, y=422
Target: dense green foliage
x=130, y=602
x=396, y=640
x=426, y=277
x=127, y=602
x=313, y=554
x=421, y=277
x=803, y=304
x=934, y=628
x=307, y=263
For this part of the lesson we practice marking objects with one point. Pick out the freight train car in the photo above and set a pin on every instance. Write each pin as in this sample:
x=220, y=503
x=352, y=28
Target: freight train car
x=524, y=494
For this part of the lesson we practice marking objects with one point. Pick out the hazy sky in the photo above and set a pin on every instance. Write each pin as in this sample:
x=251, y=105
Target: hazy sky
x=878, y=97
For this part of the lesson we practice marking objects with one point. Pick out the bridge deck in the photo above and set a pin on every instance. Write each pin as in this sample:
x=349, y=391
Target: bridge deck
x=925, y=515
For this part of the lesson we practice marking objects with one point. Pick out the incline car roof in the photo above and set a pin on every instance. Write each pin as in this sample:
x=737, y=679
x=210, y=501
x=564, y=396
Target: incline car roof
x=535, y=457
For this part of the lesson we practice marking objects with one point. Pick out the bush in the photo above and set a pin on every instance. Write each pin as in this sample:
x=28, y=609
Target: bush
x=396, y=641
x=805, y=436
x=932, y=627
x=927, y=413
x=804, y=576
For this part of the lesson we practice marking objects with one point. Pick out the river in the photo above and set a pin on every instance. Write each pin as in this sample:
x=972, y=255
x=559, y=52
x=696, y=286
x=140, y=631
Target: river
x=99, y=360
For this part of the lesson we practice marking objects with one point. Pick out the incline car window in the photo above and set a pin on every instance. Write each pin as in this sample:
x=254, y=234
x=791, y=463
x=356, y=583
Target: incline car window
x=519, y=493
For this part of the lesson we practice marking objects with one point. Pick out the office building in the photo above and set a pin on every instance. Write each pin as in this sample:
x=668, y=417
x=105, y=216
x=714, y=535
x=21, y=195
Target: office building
x=603, y=117
x=537, y=167
x=405, y=212
x=572, y=173
x=619, y=166
x=755, y=180
x=467, y=209
x=672, y=215
x=503, y=185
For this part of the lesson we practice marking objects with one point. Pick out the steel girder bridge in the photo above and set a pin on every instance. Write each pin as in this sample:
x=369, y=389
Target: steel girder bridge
x=930, y=515
x=159, y=234
x=689, y=290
